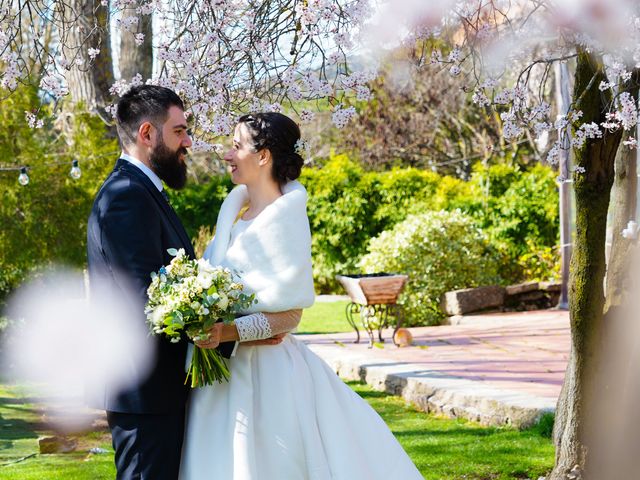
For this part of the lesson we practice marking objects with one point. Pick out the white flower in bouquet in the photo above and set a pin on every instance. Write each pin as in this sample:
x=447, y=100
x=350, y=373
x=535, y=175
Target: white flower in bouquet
x=223, y=302
x=157, y=319
x=204, y=280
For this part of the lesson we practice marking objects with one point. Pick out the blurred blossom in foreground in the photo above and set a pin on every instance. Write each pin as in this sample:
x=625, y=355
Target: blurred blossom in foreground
x=610, y=23
x=60, y=344
x=616, y=436
x=395, y=21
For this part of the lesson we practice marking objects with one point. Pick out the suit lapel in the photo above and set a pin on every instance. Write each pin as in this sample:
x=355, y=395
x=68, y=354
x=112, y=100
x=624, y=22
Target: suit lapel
x=160, y=200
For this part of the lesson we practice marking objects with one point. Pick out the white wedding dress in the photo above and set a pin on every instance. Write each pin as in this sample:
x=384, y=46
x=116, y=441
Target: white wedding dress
x=284, y=415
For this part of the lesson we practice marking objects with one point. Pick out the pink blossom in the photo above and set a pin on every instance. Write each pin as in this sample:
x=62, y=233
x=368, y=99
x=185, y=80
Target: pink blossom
x=342, y=116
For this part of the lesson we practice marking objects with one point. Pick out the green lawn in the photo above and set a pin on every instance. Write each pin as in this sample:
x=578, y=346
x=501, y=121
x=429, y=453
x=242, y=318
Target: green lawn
x=325, y=317
x=20, y=427
x=457, y=449
x=441, y=448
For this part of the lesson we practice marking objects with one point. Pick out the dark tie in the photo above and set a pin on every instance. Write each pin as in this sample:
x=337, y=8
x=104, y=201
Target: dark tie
x=164, y=194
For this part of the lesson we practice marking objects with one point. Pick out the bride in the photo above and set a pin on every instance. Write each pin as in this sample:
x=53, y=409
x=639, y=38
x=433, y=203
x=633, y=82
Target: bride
x=284, y=415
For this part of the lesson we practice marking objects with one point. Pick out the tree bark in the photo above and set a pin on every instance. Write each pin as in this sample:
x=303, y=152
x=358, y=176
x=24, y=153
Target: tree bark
x=87, y=26
x=624, y=209
x=134, y=58
x=573, y=432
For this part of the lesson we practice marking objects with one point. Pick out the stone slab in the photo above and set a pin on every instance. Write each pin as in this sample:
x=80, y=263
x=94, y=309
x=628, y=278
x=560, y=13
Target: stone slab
x=459, y=302
x=550, y=286
x=436, y=393
x=521, y=288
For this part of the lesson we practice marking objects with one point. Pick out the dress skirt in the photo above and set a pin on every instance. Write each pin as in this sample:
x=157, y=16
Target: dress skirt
x=285, y=415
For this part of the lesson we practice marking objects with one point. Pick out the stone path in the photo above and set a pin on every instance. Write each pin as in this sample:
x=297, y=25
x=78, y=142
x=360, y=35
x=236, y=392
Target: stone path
x=501, y=368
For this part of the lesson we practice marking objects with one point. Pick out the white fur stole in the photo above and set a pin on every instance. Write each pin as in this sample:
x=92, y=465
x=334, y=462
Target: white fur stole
x=273, y=255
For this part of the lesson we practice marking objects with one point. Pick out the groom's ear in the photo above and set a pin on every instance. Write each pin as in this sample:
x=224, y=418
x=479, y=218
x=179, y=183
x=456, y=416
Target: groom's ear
x=145, y=133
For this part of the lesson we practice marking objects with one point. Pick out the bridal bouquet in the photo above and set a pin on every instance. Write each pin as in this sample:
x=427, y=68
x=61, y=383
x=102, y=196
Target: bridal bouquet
x=189, y=296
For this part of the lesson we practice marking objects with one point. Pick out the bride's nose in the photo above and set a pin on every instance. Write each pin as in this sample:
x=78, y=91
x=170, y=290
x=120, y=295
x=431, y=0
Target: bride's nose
x=228, y=156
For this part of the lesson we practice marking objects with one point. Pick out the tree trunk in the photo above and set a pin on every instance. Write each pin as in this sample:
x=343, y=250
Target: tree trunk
x=134, y=58
x=87, y=26
x=586, y=298
x=624, y=209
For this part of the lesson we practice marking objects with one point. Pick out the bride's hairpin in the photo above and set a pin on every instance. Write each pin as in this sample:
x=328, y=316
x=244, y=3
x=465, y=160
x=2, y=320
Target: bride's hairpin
x=302, y=148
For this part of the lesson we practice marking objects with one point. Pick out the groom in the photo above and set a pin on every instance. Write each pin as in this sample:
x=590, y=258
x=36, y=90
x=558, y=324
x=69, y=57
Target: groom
x=130, y=229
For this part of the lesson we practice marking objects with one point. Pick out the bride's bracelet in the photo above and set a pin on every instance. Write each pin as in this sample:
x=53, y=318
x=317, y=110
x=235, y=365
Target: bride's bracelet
x=253, y=327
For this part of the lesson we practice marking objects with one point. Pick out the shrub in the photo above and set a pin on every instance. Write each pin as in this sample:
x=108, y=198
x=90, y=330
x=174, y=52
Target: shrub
x=202, y=239
x=400, y=189
x=348, y=206
x=522, y=207
x=342, y=206
x=197, y=205
x=440, y=251
x=541, y=264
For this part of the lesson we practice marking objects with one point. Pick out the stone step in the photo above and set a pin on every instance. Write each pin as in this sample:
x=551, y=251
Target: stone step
x=437, y=393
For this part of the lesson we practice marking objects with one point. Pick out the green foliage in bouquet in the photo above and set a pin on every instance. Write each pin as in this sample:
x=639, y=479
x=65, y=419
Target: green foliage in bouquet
x=440, y=251
x=188, y=297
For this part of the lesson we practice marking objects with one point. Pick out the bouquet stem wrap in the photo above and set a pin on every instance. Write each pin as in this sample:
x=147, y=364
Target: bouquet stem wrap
x=207, y=367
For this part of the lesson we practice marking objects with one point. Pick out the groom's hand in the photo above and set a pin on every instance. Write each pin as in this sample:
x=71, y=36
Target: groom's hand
x=275, y=340
x=214, y=337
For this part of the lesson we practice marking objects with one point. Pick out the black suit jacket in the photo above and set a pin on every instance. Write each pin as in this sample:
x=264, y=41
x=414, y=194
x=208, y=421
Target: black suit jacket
x=130, y=229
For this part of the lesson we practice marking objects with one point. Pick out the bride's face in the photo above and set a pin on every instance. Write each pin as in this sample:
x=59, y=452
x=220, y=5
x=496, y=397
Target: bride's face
x=244, y=164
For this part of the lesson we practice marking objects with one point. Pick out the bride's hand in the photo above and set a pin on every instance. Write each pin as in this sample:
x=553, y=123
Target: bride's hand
x=214, y=337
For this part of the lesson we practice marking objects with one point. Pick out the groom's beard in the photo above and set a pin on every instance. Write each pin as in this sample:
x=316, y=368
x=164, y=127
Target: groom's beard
x=167, y=165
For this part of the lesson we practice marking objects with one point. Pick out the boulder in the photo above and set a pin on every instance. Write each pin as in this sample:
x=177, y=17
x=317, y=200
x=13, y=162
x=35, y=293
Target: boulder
x=57, y=444
x=461, y=302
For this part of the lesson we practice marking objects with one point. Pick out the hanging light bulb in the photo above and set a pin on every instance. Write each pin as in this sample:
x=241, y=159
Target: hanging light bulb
x=23, y=178
x=75, y=172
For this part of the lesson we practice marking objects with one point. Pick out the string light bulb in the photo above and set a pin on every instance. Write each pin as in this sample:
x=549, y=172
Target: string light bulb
x=75, y=172
x=23, y=178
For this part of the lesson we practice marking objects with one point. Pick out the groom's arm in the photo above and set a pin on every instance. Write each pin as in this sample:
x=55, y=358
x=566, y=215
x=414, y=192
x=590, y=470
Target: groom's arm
x=131, y=238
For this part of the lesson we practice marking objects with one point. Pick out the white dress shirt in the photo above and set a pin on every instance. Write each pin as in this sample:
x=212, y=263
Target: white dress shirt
x=146, y=170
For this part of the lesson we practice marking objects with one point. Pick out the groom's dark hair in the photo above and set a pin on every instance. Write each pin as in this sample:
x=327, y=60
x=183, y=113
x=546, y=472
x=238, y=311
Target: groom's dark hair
x=143, y=103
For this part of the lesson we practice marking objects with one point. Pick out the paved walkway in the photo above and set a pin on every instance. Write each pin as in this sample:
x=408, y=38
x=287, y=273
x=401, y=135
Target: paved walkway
x=502, y=368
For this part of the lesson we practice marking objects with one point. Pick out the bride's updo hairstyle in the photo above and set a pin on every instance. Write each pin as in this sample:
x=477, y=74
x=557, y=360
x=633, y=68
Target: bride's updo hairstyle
x=278, y=134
